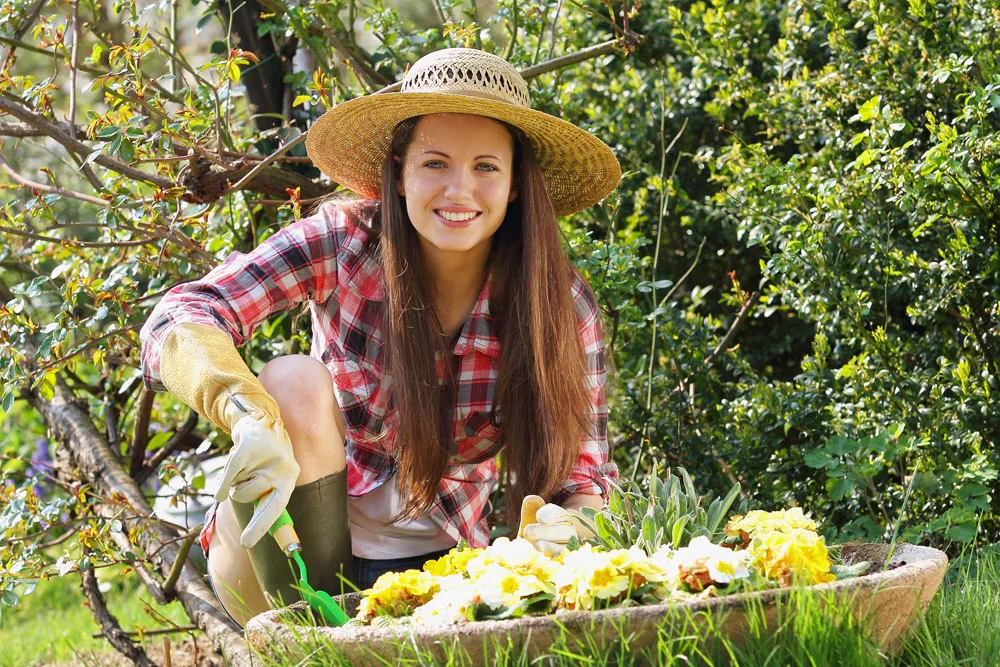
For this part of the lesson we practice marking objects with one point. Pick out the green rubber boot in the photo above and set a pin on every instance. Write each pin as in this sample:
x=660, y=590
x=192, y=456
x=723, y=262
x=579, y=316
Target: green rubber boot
x=319, y=511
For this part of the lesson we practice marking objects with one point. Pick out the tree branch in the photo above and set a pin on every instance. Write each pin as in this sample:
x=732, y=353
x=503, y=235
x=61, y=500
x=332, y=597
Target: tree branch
x=140, y=432
x=90, y=199
x=627, y=42
x=109, y=624
x=51, y=129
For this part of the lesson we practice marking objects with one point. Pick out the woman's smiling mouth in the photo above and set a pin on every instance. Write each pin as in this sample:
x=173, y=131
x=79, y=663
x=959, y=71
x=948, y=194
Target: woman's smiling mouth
x=457, y=218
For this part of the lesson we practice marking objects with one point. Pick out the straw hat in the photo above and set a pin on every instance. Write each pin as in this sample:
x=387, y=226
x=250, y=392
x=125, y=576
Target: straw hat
x=349, y=142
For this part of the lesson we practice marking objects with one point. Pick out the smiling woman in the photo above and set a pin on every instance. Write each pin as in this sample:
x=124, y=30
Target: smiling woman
x=448, y=326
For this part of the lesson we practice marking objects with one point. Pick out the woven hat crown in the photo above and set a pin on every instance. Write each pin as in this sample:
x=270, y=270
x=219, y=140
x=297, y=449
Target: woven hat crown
x=467, y=72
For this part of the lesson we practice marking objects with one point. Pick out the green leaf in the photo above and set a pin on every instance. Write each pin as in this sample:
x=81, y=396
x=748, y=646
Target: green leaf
x=838, y=488
x=869, y=110
x=126, y=150
x=108, y=132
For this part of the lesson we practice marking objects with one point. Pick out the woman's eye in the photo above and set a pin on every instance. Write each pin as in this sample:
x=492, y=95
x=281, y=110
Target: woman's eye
x=489, y=167
x=433, y=163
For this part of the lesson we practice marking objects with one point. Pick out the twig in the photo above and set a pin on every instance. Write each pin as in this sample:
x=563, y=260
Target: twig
x=90, y=199
x=552, y=34
x=109, y=625
x=744, y=313
x=595, y=51
x=153, y=633
x=175, y=570
x=88, y=345
x=88, y=172
x=21, y=130
x=80, y=244
x=268, y=160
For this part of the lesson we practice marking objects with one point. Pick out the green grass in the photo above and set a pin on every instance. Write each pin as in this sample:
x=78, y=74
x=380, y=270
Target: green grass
x=53, y=624
x=961, y=627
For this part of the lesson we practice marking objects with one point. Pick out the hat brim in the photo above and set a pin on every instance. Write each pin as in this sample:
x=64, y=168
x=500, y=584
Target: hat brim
x=349, y=144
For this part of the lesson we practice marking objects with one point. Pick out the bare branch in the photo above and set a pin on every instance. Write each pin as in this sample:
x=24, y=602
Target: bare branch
x=737, y=324
x=73, y=243
x=604, y=48
x=90, y=199
x=268, y=160
x=140, y=432
x=25, y=130
x=109, y=624
x=175, y=569
x=88, y=172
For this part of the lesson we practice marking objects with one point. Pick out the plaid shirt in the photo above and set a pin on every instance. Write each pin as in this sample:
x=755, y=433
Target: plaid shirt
x=320, y=259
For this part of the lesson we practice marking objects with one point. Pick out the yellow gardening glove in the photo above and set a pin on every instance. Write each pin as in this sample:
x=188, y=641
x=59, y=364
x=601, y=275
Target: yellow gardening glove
x=200, y=365
x=547, y=526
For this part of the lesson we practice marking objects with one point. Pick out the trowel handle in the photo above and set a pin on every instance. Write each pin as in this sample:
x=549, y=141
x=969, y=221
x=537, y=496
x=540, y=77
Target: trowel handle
x=284, y=533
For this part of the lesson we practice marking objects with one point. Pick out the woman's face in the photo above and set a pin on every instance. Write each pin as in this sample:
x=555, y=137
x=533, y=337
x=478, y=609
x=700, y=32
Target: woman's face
x=457, y=180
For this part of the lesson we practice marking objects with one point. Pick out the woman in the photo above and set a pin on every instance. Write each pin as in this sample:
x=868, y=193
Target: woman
x=448, y=325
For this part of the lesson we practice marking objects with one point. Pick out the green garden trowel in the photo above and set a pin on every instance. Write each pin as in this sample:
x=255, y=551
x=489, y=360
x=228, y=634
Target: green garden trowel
x=284, y=534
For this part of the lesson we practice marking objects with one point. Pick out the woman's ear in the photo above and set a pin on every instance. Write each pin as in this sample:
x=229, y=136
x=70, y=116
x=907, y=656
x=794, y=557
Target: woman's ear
x=513, y=194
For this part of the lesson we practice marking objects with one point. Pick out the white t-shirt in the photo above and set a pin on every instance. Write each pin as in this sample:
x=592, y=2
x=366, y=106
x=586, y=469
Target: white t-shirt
x=373, y=536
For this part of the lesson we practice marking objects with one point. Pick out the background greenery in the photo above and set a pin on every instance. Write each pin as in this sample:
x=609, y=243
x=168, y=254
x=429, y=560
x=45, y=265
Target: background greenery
x=799, y=270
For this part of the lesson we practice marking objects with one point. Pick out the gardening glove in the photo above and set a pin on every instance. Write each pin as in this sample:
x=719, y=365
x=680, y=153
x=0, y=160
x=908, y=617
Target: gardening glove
x=200, y=365
x=549, y=527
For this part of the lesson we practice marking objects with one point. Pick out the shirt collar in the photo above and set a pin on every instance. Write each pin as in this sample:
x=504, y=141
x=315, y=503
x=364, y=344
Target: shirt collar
x=478, y=332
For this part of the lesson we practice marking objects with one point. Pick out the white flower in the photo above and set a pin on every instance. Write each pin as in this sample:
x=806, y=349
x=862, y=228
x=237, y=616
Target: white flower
x=723, y=565
x=449, y=606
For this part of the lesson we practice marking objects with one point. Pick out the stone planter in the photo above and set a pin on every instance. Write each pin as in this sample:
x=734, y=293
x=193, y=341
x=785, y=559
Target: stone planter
x=885, y=603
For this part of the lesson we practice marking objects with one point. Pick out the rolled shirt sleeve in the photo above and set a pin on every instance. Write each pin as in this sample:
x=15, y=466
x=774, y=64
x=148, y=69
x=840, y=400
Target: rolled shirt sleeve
x=296, y=264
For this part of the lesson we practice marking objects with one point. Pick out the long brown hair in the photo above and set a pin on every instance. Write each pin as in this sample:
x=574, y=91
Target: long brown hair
x=541, y=402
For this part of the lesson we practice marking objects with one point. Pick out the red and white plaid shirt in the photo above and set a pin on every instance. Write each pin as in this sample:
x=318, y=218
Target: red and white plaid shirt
x=320, y=259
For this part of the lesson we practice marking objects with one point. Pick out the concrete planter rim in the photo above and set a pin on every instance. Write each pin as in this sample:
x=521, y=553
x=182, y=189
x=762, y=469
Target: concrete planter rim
x=912, y=569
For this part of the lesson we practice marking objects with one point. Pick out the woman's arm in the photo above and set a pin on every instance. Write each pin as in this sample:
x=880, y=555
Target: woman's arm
x=578, y=500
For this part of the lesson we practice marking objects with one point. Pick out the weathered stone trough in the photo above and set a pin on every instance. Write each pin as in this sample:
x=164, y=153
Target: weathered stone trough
x=886, y=603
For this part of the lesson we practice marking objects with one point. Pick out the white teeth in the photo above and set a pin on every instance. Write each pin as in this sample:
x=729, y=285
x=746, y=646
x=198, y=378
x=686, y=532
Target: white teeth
x=457, y=217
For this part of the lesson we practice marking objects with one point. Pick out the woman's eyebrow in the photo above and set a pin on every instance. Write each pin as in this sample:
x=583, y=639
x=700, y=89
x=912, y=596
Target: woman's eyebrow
x=478, y=157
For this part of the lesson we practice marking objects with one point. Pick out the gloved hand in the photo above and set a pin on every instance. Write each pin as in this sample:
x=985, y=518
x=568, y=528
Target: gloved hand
x=200, y=365
x=549, y=527
x=260, y=466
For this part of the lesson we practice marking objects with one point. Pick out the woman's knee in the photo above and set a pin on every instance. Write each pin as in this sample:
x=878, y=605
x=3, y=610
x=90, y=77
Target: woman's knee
x=303, y=389
x=297, y=379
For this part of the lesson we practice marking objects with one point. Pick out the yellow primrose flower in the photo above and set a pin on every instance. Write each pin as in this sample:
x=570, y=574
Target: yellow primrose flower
x=760, y=521
x=397, y=594
x=518, y=556
x=453, y=562
x=500, y=587
x=588, y=575
x=781, y=555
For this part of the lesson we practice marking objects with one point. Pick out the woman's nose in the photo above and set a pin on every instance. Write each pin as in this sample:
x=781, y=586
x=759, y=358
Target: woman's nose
x=460, y=184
